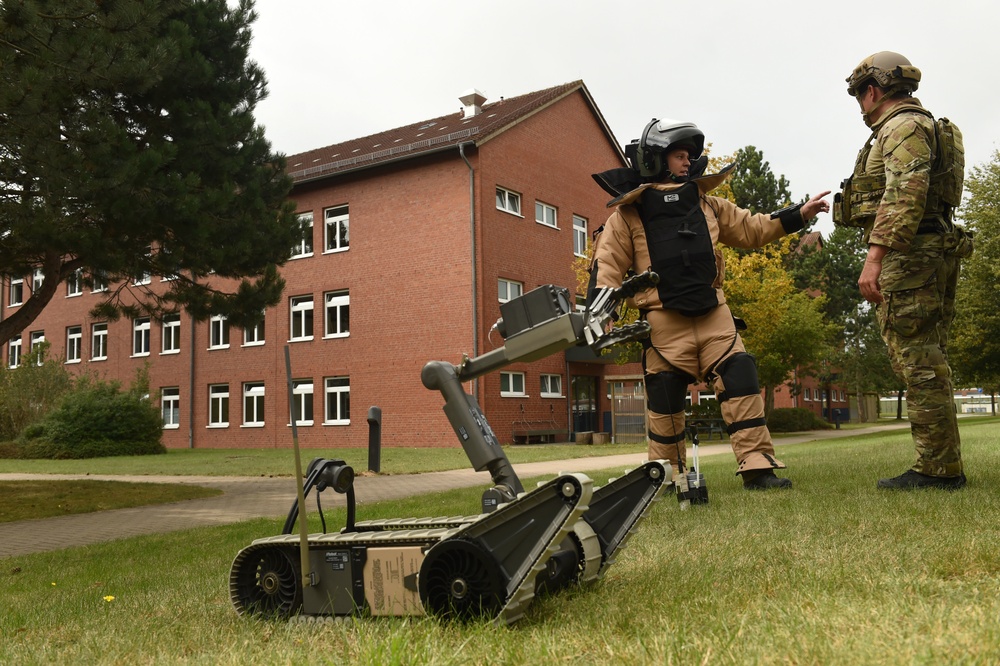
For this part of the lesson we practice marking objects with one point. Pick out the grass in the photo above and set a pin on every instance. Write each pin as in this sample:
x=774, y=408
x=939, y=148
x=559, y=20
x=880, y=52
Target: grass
x=832, y=572
x=27, y=500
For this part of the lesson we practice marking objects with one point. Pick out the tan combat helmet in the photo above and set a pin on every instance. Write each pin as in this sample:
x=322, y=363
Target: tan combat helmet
x=888, y=70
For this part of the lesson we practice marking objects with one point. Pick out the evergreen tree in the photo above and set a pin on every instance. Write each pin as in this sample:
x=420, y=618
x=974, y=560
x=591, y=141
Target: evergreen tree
x=753, y=184
x=128, y=147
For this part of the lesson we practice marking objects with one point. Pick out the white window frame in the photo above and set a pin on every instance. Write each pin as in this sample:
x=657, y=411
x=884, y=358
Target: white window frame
x=74, y=283
x=37, y=279
x=170, y=407
x=300, y=310
x=807, y=394
x=16, y=292
x=335, y=391
x=253, y=336
x=253, y=405
x=37, y=338
x=14, y=352
x=74, y=344
x=218, y=405
x=100, y=283
x=99, y=341
x=218, y=332
x=145, y=278
x=170, y=334
x=508, y=201
x=550, y=385
x=140, y=336
x=504, y=289
x=336, y=229
x=304, y=246
x=546, y=214
x=303, y=403
x=511, y=381
x=579, y=236
x=336, y=310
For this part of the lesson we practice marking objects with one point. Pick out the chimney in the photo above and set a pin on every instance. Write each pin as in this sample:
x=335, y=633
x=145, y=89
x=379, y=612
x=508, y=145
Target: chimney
x=472, y=100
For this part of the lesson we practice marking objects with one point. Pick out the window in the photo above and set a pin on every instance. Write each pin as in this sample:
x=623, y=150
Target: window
x=508, y=201
x=218, y=405
x=808, y=394
x=74, y=283
x=551, y=386
x=545, y=214
x=100, y=282
x=171, y=334
x=511, y=384
x=304, y=247
x=74, y=344
x=99, y=342
x=508, y=290
x=705, y=395
x=254, y=333
x=338, y=314
x=170, y=407
x=37, y=340
x=338, y=401
x=253, y=404
x=140, y=336
x=145, y=277
x=16, y=291
x=302, y=318
x=579, y=236
x=336, y=229
x=302, y=401
x=218, y=332
x=37, y=278
x=14, y=352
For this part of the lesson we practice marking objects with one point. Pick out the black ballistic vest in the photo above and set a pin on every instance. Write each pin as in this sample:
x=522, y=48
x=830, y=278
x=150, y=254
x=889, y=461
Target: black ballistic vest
x=680, y=248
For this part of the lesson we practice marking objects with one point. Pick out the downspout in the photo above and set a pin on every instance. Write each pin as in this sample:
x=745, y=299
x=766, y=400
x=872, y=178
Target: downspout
x=472, y=240
x=191, y=390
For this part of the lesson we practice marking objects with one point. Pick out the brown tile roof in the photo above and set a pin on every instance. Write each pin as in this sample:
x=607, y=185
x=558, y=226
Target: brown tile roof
x=429, y=136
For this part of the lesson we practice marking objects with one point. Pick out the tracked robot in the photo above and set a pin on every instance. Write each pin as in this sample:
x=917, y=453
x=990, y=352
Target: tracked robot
x=488, y=565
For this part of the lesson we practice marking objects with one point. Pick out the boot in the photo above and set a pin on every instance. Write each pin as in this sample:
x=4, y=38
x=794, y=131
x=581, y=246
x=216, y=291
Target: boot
x=764, y=480
x=910, y=480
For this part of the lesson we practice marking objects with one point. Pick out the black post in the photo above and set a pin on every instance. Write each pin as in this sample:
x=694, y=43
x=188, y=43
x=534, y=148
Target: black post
x=375, y=439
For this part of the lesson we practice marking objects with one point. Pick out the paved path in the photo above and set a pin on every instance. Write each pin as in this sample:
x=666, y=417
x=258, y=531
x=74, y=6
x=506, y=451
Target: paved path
x=253, y=497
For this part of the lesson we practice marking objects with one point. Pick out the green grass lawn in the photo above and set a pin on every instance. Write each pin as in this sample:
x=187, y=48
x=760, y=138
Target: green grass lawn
x=832, y=572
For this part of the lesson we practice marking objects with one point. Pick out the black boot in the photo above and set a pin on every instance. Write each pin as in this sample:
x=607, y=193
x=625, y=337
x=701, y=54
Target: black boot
x=764, y=481
x=910, y=480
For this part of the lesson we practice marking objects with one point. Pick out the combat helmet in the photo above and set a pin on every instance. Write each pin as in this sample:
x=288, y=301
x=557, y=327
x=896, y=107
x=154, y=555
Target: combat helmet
x=660, y=137
x=886, y=69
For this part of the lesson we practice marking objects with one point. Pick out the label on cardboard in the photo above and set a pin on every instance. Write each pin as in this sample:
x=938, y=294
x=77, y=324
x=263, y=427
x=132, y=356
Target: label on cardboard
x=390, y=576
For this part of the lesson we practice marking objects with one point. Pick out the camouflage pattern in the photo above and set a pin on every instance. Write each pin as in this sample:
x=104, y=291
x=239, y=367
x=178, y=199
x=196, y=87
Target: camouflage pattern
x=918, y=281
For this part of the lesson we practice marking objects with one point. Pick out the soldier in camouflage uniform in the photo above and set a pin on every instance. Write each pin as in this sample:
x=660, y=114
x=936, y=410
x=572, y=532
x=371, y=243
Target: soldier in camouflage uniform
x=906, y=183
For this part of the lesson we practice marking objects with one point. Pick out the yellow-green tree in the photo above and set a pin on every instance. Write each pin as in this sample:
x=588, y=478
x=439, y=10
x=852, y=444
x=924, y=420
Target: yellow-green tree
x=785, y=326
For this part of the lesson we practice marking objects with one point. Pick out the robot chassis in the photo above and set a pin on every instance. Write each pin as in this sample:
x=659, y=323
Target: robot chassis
x=489, y=565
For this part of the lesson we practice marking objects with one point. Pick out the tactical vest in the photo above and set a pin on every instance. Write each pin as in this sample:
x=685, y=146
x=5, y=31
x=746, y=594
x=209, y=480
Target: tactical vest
x=680, y=248
x=858, y=202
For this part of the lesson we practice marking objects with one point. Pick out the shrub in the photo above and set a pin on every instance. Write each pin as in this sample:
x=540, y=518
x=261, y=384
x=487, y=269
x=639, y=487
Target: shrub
x=795, y=419
x=97, y=418
x=30, y=391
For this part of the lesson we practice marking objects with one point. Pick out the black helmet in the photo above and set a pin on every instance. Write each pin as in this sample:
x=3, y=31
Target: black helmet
x=660, y=137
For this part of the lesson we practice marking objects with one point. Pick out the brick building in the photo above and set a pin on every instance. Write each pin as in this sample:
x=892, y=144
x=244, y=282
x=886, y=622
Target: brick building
x=412, y=238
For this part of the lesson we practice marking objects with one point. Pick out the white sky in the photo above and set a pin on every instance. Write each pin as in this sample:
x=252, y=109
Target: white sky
x=768, y=73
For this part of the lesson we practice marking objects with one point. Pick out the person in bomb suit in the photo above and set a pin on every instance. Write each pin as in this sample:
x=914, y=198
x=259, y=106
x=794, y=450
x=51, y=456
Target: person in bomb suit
x=907, y=180
x=665, y=220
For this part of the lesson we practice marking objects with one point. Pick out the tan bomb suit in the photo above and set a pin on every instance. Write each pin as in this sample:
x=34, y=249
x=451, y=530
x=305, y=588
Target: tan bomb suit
x=687, y=348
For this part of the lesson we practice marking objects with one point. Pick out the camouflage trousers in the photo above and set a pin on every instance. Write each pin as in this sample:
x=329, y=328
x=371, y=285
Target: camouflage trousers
x=915, y=319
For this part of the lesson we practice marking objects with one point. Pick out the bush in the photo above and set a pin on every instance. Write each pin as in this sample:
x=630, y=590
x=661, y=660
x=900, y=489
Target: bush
x=795, y=419
x=96, y=419
x=30, y=391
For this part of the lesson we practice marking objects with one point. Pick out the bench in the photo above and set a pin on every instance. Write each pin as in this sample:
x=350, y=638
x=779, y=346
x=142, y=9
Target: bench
x=527, y=431
x=709, y=426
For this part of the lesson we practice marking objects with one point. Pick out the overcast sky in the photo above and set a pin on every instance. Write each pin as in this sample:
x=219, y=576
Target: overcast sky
x=768, y=73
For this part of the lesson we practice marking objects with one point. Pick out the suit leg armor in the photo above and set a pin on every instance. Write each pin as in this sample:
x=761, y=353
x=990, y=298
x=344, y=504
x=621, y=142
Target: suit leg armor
x=665, y=392
x=738, y=392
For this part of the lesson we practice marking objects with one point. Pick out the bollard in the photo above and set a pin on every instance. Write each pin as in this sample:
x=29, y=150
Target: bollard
x=375, y=439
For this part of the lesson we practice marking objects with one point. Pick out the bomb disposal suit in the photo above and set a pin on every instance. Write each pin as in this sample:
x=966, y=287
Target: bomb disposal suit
x=672, y=226
x=907, y=180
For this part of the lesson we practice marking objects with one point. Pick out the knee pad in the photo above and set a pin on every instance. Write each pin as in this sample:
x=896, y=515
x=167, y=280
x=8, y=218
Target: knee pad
x=739, y=376
x=665, y=391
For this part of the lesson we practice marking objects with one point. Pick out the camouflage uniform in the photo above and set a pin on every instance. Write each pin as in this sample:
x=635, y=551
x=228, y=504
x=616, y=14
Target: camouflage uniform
x=918, y=278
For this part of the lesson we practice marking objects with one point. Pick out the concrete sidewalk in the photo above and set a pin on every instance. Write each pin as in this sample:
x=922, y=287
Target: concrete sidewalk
x=244, y=498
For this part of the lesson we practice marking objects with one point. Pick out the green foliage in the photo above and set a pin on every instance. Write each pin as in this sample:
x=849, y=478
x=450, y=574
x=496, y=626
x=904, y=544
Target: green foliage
x=130, y=148
x=97, y=419
x=753, y=184
x=795, y=419
x=29, y=392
